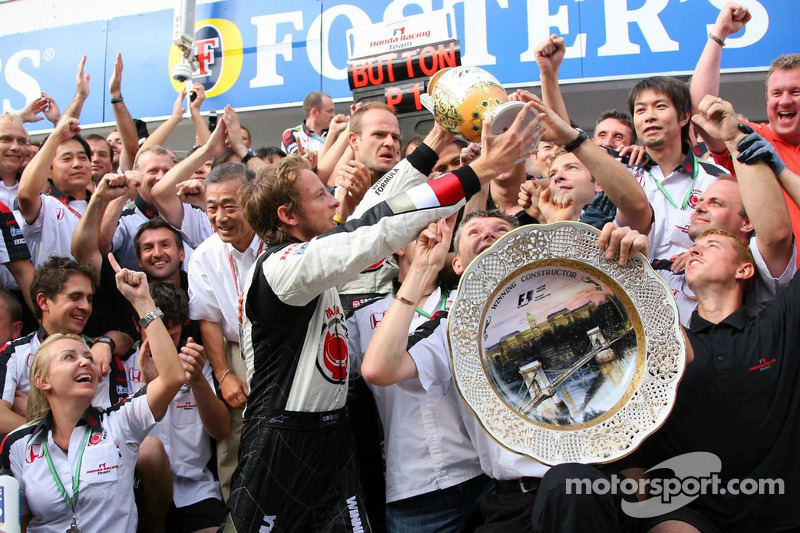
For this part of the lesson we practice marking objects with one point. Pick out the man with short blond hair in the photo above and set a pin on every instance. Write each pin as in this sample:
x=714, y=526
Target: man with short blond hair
x=742, y=372
x=13, y=149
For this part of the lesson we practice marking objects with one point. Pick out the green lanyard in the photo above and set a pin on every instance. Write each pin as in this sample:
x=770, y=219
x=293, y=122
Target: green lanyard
x=425, y=313
x=688, y=195
x=70, y=501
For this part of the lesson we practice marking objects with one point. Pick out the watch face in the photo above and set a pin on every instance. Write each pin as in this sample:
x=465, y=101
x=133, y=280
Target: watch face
x=563, y=355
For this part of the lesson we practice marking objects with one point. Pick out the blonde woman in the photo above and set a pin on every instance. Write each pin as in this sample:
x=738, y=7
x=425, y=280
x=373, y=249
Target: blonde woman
x=75, y=462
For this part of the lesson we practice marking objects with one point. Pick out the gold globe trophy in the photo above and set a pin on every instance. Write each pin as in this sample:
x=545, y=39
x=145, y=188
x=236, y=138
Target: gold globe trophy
x=461, y=97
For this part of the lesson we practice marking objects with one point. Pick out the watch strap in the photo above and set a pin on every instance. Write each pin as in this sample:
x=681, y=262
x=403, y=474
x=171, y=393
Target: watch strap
x=105, y=339
x=576, y=142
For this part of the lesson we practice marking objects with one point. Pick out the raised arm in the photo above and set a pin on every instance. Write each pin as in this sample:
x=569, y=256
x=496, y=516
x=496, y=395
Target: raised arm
x=166, y=189
x=761, y=194
x=81, y=92
x=162, y=133
x=336, y=144
x=616, y=180
x=34, y=177
x=549, y=55
x=387, y=360
x=201, y=130
x=705, y=80
x=236, y=140
x=125, y=125
x=85, y=240
x=160, y=391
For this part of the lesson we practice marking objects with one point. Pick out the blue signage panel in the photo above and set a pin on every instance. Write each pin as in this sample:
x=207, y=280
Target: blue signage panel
x=255, y=54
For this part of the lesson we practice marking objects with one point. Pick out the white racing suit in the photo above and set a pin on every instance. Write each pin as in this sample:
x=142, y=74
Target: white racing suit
x=296, y=462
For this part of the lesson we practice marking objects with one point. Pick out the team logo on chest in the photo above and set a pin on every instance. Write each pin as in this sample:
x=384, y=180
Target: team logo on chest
x=35, y=451
x=332, y=358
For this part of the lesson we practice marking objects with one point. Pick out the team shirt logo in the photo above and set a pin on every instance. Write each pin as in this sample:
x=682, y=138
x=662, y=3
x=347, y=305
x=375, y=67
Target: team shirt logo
x=694, y=198
x=332, y=359
x=134, y=375
x=35, y=451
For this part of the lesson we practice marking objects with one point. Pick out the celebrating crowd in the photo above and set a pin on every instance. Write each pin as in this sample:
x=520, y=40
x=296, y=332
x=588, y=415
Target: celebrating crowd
x=249, y=341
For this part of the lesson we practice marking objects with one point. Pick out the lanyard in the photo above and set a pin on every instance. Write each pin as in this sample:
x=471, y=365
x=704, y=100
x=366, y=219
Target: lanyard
x=70, y=501
x=233, y=269
x=424, y=313
x=66, y=204
x=688, y=192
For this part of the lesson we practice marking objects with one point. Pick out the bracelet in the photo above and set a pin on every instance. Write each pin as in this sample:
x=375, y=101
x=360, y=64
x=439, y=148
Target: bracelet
x=406, y=301
x=338, y=219
x=148, y=319
x=224, y=375
x=117, y=100
x=716, y=39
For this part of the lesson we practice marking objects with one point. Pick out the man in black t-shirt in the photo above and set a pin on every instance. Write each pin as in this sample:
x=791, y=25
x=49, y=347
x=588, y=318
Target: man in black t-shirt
x=738, y=398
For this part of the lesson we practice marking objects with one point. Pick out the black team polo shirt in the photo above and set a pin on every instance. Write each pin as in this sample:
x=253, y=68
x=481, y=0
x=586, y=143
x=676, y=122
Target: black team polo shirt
x=739, y=400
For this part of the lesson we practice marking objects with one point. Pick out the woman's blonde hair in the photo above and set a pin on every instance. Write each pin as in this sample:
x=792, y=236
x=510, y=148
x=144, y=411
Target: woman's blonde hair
x=40, y=367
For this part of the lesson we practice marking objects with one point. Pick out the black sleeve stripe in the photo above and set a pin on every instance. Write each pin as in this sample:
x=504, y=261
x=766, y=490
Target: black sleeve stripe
x=423, y=158
x=14, y=242
x=117, y=406
x=6, y=354
x=426, y=329
x=8, y=441
x=469, y=181
x=712, y=169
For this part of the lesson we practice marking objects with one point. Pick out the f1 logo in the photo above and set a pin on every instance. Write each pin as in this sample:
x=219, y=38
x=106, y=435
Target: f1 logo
x=524, y=299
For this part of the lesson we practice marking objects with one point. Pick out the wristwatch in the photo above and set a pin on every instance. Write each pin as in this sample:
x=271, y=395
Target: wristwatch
x=104, y=339
x=149, y=317
x=577, y=142
x=248, y=156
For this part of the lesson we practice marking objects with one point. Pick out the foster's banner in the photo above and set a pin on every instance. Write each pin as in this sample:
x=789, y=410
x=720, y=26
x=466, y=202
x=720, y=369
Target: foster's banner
x=262, y=54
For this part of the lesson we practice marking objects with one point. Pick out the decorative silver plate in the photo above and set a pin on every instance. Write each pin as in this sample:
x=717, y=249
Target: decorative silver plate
x=563, y=355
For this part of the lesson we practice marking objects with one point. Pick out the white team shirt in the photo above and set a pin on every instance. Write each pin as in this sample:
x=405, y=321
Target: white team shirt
x=213, y=290
x=8, y=194
x=51, y=232
x=431, y=356
x=426, y=443
x=186, y=443
x=668, y=235
x=105, y=493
